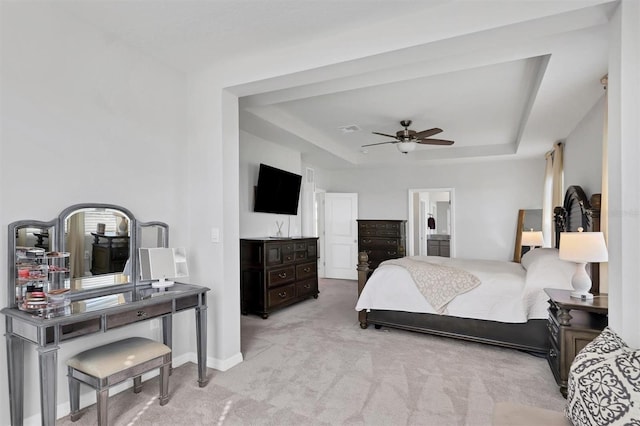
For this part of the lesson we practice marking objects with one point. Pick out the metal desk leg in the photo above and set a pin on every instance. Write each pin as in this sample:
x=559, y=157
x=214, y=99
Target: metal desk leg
x=15, y=365
x=201, y=340
x=48, y=359
x=167, y=334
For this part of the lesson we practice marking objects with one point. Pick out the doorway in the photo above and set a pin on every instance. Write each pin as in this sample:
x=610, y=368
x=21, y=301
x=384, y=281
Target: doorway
x=431, y=212
x=340, y=235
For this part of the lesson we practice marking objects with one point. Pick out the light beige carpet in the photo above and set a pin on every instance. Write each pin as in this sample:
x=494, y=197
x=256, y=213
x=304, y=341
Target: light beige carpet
x=311, y=364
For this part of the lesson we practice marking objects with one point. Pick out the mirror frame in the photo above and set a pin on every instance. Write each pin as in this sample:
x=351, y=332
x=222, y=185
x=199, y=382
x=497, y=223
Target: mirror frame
x=62, y=217
x=56, y=243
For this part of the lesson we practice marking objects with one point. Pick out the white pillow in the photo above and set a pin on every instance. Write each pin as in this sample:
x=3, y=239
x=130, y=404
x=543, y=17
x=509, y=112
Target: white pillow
x=541, y=254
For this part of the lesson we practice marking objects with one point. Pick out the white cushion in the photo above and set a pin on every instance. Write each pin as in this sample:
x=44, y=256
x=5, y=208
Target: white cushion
x=604, y=383
x=111, y=358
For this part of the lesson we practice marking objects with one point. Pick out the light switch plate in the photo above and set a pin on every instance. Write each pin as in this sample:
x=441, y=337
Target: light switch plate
x=215, y=235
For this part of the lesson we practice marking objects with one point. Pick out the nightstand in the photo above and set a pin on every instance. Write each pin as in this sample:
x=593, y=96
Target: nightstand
x=572, y=324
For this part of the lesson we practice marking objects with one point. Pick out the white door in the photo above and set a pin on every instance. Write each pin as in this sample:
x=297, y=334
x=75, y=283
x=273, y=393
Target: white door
x=341, y=235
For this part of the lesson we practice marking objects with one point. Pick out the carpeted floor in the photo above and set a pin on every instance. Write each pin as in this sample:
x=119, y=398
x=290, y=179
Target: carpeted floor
x=311, y=364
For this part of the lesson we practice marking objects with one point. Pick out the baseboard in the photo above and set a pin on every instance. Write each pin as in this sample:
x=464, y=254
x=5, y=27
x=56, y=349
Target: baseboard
x=215, y=363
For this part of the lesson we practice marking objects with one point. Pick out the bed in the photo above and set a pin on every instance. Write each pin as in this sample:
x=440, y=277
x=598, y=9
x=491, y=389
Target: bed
x=507, y=307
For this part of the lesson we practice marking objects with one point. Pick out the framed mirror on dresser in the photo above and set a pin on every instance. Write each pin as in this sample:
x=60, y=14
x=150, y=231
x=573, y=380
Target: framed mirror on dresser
x=78, y=275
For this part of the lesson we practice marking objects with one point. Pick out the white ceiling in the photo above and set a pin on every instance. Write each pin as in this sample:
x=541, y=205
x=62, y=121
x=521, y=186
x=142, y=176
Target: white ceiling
x=507, y=90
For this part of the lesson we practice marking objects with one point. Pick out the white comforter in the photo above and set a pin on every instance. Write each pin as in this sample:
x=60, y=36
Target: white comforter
x=510, y=292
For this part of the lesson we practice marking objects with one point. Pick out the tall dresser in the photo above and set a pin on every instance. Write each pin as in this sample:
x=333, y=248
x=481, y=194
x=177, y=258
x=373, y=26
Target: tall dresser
x=382, y=239
x=277, y=272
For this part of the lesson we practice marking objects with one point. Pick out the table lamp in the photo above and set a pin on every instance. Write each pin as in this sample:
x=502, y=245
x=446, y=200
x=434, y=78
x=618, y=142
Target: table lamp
x=582, y=248
x=532, y=239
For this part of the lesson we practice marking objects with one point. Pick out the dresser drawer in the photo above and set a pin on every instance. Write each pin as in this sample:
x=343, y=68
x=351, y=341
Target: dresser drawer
x=306, y=287
x=307, y=270
x=288, y=257
x=280, y=295
x=378, y=242
x=129, y=317
x=276, y=277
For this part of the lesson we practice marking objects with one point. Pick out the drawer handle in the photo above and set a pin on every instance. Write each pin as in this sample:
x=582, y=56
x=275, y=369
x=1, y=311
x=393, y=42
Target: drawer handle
x=141, y=314
x=282, y=275
x=552, y=353
x=289, y=257
x=392, y=253
x=282, y=294
x=307, y=269
x=307, y=286
x=366, y=241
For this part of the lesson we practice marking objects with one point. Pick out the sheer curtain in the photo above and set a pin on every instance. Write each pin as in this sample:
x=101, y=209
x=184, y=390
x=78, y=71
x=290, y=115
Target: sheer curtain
x=553, y=191
x=75, y=242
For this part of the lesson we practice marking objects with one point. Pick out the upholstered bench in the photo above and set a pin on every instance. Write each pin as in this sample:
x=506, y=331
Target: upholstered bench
x=113, y=363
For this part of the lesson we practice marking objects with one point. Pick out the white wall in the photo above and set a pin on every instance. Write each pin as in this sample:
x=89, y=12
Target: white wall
x=253, y=151
x=583, y=151
x=85, y=119
x=624, y=173
x=487, y=198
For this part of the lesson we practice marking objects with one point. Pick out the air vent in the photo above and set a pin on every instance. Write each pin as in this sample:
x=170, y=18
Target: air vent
x=350, y=128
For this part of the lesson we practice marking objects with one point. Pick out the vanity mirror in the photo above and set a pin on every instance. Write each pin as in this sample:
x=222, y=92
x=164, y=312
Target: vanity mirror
x=87, y=249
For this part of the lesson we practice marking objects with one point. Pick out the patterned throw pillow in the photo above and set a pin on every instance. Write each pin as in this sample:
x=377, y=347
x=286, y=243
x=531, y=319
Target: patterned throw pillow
x=604, y=383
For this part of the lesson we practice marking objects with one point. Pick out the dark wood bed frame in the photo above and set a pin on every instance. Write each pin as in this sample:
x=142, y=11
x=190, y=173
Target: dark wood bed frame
x=531, y=336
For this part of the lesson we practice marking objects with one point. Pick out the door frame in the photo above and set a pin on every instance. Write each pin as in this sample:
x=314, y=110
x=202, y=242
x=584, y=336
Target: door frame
x=412, y=228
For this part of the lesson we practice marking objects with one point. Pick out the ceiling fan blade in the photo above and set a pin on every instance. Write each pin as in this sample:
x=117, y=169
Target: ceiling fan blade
x=384, y=134
x=426, y=133
x=435, y=142
x=379, y=143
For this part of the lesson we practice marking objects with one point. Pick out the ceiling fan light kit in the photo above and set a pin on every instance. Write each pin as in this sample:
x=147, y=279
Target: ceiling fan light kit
x=407, y=140
x=405, y=147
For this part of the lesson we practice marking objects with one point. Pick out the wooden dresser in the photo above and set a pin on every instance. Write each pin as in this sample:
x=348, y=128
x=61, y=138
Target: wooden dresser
x=572, y=323
x=275, y=273
x=109, y=254
x=382, y=240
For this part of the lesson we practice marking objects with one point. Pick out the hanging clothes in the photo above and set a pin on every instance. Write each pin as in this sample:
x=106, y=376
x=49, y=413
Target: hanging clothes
x=431, y=223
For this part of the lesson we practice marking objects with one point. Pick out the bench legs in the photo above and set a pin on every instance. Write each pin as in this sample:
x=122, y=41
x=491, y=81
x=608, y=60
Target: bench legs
x=74, y=398
x=165, y=370
x=102, y=395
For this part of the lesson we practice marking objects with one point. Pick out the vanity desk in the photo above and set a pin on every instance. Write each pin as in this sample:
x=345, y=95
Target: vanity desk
x=48, y=306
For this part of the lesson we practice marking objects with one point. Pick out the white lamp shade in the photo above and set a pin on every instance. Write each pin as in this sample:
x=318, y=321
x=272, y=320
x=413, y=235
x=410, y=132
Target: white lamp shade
x=532, y=238
x=405, y=147
x=583, y=247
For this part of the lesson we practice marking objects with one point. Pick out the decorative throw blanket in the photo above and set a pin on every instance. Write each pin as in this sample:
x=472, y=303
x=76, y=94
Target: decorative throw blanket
x=438, y=284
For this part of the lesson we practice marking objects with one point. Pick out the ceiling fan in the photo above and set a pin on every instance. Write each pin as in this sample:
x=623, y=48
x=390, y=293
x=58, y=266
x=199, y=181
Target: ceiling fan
x=407, y=139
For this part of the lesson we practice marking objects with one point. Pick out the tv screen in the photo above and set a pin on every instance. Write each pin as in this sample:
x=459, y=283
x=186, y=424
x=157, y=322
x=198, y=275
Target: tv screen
x=278, y=191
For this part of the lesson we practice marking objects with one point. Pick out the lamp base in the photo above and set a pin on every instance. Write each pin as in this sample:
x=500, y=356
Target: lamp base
x=581, y=296
x=581, y=283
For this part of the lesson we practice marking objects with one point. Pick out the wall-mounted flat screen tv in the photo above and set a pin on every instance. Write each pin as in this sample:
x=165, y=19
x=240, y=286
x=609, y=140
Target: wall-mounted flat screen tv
x=278, y=191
